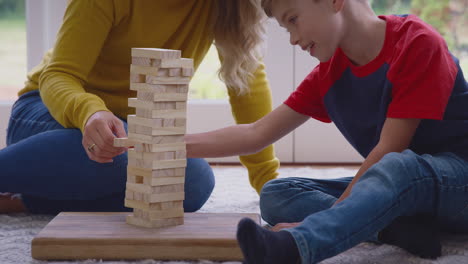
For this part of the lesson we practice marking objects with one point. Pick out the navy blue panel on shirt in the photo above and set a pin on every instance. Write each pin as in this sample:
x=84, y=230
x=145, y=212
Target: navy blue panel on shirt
x=358, y=107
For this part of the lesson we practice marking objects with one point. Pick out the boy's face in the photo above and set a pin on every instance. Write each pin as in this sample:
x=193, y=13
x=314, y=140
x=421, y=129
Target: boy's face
x=314, y=25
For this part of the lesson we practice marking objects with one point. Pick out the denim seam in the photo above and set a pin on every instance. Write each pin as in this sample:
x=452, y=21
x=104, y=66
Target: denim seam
x=301, y=245
x=30, y=121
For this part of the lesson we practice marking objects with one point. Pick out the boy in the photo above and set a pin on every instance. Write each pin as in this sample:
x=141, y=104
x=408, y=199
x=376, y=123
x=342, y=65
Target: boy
x=398, y=96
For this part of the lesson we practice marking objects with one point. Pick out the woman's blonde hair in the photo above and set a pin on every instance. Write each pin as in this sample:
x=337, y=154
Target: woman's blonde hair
x=266, y=5
x=239, y=33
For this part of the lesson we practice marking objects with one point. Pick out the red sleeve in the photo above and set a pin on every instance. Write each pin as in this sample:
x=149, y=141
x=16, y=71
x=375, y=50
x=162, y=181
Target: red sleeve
x=423, y=75
x=307, y=99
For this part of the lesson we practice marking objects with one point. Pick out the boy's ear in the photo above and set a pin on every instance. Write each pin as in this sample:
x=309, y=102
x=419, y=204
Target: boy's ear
x=338, y=5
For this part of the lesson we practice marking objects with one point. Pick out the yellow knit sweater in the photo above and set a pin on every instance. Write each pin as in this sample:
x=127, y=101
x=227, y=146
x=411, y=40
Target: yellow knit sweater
x=88, y=69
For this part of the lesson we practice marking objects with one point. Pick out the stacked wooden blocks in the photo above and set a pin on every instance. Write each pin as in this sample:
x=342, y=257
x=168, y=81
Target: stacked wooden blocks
x=156, y=164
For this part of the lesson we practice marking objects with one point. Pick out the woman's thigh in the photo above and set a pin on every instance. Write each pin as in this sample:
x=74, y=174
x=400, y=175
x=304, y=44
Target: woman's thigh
x=29, y=116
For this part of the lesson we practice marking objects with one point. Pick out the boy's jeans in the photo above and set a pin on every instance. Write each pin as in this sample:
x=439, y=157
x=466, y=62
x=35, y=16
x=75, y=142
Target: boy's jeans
x=47, y=164
x=400, y=184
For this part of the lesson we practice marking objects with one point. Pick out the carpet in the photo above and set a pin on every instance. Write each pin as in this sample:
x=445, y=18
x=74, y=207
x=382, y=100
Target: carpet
x=231, y=194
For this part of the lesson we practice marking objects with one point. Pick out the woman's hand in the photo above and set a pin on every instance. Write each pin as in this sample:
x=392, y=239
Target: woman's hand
x=98, y=136
x=280, y=226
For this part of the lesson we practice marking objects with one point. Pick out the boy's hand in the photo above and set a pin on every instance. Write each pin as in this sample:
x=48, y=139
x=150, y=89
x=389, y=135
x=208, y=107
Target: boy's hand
x=98, y=136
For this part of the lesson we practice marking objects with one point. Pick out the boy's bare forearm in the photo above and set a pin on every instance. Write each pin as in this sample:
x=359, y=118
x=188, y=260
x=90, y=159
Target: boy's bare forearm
x=228, y=141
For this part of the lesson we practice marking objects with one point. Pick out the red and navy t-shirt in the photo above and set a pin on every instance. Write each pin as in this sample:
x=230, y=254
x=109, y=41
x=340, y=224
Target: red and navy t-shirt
x=414, y=76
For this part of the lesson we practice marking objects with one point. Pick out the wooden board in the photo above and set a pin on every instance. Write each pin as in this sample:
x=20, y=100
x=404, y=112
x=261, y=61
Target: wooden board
x=72, y=236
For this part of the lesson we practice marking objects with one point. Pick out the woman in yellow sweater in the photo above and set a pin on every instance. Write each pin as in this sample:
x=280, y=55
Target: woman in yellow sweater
x=60, y=155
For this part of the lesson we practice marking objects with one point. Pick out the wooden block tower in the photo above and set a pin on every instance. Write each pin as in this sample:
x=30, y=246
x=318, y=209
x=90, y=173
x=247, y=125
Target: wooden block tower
x=156, y=164
x=155, y=184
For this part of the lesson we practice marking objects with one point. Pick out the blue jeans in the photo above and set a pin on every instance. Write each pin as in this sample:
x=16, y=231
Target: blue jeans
x=47, y=164
x=401, y=184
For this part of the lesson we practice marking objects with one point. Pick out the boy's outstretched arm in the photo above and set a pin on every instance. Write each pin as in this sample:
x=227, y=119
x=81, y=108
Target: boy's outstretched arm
x=245, y=138
x=396, y=136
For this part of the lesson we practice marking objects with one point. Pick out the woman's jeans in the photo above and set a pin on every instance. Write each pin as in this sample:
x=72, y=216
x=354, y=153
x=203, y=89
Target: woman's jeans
x=401, y=184
x=47, y=164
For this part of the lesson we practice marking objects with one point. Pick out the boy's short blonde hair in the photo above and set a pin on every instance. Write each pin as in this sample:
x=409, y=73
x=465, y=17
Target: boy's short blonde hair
x=267, y=6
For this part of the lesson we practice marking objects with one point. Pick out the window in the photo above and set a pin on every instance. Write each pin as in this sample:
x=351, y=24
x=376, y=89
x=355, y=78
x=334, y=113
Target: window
x=12, y=48
x=205, y=83
x=449, y=17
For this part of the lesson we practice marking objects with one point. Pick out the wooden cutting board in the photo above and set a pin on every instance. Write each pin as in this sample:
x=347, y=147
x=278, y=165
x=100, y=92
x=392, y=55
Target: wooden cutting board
x=72, y=236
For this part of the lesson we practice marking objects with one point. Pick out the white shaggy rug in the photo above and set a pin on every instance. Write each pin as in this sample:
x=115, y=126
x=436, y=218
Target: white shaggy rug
x=231, y=194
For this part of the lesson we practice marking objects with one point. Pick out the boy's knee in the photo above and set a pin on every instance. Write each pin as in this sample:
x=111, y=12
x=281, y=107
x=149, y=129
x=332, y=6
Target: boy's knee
x=270, y=200
x=401, y=162
x=396, y=167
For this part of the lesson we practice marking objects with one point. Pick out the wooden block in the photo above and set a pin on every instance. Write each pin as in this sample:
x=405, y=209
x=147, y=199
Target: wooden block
x=147, y=189
x=169, y=122
x=157, y=98
x=156, y=122
x=131, y=178
x=181, y=105
x=161, y=97
x=159, y=197
x=149, y=105
x=187, y=72
x=181, y=154
x=182, y=88
x=175, y=72
x=158, y=181
x=177, y=63
x=153, y=131
x=137, y=78
x=152, y=156
x=123, y=142
x=152, y=215
x=132, y=220
x=157, y=164
x=167, y=80
x=129, y=195
x=144, y=70
x=159, y=88
x=156, y=53
x=144, y=147
x=156, y=139
x=73, y=236
x=180, y=122
x=139, y=129
x=155, y=181
x=153, y=206
x=165, y=113
x=148, y=62
x=138, y=196
x=172, y=172
x=145, y=96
